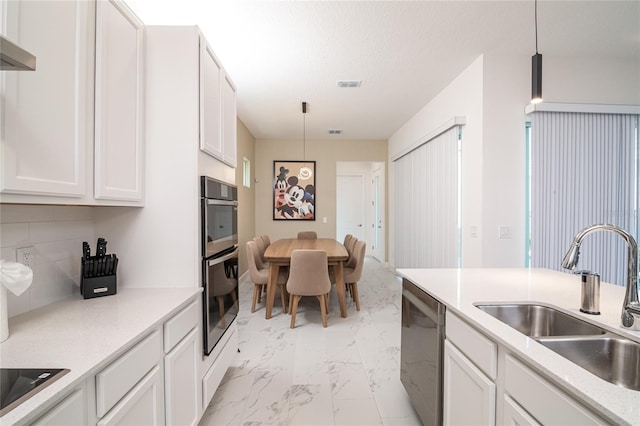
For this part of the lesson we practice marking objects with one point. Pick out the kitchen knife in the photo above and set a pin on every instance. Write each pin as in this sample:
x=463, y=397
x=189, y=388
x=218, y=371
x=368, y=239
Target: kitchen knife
x=86, y=250
x=109, y=265
x=101, y=247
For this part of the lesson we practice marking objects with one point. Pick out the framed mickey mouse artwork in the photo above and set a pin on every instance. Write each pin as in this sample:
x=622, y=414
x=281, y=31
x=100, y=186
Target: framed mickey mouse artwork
x=294, y=190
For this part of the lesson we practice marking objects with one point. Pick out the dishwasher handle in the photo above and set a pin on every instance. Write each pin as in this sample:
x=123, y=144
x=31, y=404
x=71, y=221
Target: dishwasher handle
x=435, y=313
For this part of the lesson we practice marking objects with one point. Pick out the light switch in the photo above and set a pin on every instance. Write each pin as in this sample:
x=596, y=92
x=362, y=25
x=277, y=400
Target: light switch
x=324, y=220
x=504, y=232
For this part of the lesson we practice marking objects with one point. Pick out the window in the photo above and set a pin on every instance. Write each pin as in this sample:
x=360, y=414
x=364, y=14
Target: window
x=246, y=172
x=583, y=171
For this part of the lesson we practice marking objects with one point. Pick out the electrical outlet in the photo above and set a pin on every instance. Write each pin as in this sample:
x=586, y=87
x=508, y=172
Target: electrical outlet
x=26, y=256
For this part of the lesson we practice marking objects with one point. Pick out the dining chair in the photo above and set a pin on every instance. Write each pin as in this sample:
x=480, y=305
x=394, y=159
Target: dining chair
x=266, y=239
x=308, y=276
x=307, y=235
x=353, y=274
x=350, y=246
x=263, y=263
x=260, y=277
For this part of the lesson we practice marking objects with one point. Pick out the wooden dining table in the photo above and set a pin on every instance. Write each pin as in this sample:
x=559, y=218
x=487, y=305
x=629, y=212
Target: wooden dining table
x=279, y=254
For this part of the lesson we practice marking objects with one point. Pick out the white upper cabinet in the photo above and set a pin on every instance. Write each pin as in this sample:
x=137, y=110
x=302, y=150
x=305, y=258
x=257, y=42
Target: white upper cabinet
x=76, y=121
x=119, y=143
x=229, y=126
x=47, y=113
x=210, y=101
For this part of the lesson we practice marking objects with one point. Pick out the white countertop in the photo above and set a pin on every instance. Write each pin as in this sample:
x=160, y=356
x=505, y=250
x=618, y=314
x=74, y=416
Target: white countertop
x=83, y=336
x=458, y=289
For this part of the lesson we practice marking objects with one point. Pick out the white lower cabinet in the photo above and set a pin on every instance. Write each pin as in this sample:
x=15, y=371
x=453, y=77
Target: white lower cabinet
x=181, y=368
x=515, y=415
x=469, y=395
x=71, y=411
x=143, y=405
x=544, y=402
x=485, y=383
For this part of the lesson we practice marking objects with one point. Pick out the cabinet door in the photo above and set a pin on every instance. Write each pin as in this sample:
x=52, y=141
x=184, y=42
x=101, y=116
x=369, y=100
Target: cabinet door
x=119, y=149
x=143, y=405
x=515, y=415
x=47, y=114
x=469, y=396
x=181, y=382
x=210, y=102
x=229, y=123
x=71, y=411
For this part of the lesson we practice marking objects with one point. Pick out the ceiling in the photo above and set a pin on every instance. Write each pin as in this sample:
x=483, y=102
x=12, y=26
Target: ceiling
x=281, y=53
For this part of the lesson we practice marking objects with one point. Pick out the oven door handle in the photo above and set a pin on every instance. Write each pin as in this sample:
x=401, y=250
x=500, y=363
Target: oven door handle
x=215, y=261
x=221, y=202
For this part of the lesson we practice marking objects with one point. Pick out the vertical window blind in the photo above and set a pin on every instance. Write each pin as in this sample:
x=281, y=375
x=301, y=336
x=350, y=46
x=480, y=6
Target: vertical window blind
x=584, y=171
x=426, y=190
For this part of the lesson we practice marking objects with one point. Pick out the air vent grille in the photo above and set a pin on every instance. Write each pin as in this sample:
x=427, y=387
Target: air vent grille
x=349, y=83
x=335, y=131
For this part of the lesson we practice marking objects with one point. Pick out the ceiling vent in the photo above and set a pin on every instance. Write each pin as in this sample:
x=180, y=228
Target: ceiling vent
x=335, y=131
x=349, y=83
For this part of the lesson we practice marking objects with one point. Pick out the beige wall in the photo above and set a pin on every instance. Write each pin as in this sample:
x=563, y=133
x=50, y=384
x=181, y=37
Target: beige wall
x=246, y=197
x=325, y=153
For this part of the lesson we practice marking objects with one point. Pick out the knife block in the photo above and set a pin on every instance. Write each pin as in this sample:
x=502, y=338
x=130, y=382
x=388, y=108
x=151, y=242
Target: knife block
x=98, y=286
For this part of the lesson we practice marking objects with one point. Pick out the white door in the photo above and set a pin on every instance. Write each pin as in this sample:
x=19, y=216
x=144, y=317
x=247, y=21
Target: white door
x=350, y=199
x=377, y=215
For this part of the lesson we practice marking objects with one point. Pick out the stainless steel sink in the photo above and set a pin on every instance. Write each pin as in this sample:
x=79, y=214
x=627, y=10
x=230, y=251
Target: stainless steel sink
x=614, y=359
x=608, y=355
x=536, y=320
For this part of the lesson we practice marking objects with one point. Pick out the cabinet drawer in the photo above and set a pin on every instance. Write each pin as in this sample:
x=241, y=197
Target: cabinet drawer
x=71, y=411
x=117, y=379
x=546, y=403
x=214, y=376
x=479, y=349
x=179, y=326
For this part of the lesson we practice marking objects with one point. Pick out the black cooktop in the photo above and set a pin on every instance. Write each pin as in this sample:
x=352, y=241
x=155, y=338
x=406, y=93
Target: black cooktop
x=19, y=384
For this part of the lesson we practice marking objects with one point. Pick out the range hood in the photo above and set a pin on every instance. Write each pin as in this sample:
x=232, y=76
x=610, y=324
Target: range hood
x=14, y=58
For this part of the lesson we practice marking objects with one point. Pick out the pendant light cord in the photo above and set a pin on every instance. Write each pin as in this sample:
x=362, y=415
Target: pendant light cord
x=304, y=136
x=536, y=22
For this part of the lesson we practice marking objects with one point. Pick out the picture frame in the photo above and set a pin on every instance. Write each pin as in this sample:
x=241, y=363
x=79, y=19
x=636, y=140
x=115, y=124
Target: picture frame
x=294, y=190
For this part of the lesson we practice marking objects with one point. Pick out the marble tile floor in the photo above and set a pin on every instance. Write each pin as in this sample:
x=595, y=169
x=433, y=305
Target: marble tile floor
x=346, y=374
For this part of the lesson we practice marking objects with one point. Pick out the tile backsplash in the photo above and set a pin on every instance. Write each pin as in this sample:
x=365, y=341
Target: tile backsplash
x=56, y=234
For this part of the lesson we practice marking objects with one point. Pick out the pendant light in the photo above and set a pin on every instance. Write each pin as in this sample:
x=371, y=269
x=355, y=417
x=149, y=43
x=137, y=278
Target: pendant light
x=305, y=172
x=536, y=66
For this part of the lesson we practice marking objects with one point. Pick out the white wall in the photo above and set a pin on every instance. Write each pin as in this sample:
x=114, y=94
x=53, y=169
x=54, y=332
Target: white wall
x=56, y=234
x=492, y=93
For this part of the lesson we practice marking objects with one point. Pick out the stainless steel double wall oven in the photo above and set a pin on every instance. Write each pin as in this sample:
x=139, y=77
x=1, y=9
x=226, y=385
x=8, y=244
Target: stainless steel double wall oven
x=219, y=212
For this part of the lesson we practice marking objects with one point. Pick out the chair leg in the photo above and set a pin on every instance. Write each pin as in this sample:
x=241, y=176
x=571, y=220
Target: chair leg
x=260, y=289
x=282, y=299
x=354, y=294
x=295, y=299
x=257, y=289
x=323, y=308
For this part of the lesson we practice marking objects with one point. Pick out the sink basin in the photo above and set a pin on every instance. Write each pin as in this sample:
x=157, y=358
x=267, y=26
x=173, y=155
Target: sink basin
x=536, y=320
x=608, y=355
x=616, y=360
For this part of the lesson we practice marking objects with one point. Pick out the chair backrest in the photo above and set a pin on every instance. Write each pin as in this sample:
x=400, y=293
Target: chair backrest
x=307, y=235
x=261, y=248
x=347, y=238
x=358, y=254
x=350, y=246
x=253, y=259
x=266, y=240
x=309, y=273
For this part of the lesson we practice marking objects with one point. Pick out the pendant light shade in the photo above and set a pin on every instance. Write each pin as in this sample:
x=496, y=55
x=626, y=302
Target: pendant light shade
x=536, y=78
x=536, y=65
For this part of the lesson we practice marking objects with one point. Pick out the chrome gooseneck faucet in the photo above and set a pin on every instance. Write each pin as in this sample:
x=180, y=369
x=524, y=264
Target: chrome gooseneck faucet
x=630, y=316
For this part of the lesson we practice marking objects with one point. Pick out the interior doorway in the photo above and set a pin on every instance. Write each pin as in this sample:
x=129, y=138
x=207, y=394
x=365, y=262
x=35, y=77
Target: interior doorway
x=360, y=204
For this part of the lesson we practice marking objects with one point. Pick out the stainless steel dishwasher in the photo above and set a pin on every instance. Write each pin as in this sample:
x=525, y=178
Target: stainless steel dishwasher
x=422, y=352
